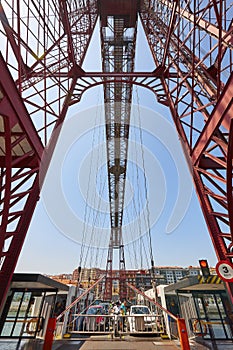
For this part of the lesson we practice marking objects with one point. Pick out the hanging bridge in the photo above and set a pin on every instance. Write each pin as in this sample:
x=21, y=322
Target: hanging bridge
x=43, y=49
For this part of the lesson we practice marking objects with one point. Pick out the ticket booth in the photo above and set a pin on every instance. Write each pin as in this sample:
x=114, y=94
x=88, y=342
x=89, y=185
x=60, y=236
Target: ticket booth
x=204, y=304
x=31, y=300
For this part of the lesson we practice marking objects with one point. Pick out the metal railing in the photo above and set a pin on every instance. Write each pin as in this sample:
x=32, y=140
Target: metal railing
x=22, y=327
x=211, y=329
x=181, y=325
x=117, y=325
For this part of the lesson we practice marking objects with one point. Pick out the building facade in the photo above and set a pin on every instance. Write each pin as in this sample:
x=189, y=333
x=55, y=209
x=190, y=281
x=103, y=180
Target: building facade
x=141, y=279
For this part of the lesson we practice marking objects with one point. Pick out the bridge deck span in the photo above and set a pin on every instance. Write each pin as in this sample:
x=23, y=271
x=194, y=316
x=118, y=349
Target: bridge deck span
x=101, y=343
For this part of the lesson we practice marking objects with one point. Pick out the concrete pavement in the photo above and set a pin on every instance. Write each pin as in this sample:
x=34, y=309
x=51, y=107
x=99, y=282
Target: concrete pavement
x=105, y=343
x=135, y=343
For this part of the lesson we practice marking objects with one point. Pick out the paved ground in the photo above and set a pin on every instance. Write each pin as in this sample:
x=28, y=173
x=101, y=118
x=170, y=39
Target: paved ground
x=128, y=345
x=100, y=343
x=136, y=343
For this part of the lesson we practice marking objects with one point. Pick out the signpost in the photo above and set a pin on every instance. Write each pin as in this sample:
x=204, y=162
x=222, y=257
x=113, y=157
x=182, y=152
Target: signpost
x=224, y=269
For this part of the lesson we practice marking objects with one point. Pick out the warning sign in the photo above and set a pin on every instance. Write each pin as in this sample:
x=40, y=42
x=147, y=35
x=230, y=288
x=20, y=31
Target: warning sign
x=225, y=270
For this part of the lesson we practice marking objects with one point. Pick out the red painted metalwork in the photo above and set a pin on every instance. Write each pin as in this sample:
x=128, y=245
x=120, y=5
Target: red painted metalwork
x=200, y=99
x=21, y=152
x=50, y=330
x=79, y=298
x=229, y=182
x=32, y=115
x=221, y=115
x=118, y=36
x=44, y=45
x=119, y=8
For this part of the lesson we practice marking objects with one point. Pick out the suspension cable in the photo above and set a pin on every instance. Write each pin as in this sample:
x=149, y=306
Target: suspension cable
x=145, y=186
x=86, y=214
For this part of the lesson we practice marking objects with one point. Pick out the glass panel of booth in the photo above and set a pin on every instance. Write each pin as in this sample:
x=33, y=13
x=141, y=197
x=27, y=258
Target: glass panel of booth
x=212, y=317
x=18, y=308
x=21, y=314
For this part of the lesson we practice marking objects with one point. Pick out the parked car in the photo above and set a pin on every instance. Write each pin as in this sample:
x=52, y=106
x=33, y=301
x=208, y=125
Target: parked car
x=92, y=321
x=105, y=305
x=140, y=319
x=97, y=301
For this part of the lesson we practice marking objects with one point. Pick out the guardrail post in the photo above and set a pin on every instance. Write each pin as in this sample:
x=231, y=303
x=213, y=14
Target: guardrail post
x=48, y=340
x=183, y=335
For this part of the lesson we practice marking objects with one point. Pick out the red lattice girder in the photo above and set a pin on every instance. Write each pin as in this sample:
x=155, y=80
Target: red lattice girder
x=200, y=99
x=20, y=153
x=42, y=44
x=221, y=115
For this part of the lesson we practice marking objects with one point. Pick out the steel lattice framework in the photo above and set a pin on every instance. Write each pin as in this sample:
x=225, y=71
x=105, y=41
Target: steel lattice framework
x=43, y=46
x=118, y=51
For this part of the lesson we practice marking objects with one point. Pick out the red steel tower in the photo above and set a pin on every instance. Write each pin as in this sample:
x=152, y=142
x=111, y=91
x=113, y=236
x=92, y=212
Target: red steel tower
x=43, y=46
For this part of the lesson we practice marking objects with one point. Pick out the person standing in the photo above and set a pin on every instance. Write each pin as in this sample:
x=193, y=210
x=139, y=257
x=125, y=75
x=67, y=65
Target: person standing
x=123, y=310
x=115, y=309
x=114, y=312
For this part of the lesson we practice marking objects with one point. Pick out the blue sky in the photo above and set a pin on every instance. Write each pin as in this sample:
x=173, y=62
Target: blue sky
x=53, y=243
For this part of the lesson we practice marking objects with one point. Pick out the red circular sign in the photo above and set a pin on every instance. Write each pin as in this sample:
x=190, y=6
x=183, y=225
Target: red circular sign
x=224, y=270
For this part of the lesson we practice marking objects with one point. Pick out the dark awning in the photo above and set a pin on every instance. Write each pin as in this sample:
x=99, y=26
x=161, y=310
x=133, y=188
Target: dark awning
x=36, y=281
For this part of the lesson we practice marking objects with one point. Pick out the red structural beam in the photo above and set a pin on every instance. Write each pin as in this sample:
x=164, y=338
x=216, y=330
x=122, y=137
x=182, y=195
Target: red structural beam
x=13, y=106
x=229, y=182
x=47, y=98
x=78, y=72
x=221, y=115
x=67, y=30
x=200, y=101
x=11, y=35
x=202, y=23
x=119, y=8
x=191, y=83
x=16, y=184
x=79, y=298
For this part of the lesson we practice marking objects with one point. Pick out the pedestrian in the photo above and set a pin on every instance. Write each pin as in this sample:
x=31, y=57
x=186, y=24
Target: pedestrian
x=114, y=312
x=123, y=308
x=115, y=309
x=123, y=313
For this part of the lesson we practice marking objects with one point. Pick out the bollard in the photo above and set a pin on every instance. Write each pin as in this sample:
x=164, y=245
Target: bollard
x=48, y=340
x=184, y=340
